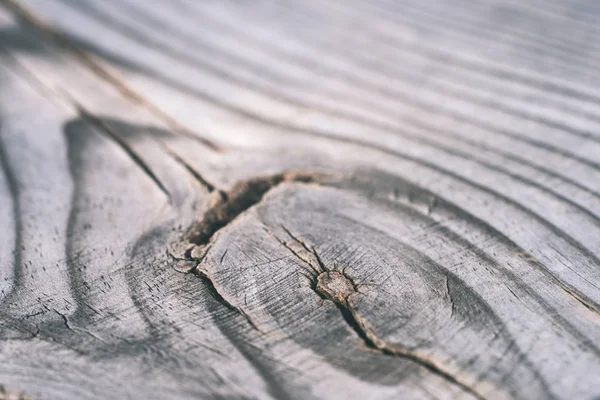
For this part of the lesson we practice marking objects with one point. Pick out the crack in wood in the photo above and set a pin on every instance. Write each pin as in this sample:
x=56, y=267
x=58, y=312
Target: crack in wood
x=104, y=128
x=481, y=342
x=72, y=328
x=314, y=267
x=227, y=207
x=453, y=308
x=197, y=175
x=240, y=198
x=216, y=294
x=337, y=286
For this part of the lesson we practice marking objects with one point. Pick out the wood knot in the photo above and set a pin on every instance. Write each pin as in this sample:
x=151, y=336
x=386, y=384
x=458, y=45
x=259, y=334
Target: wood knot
x=335, y=286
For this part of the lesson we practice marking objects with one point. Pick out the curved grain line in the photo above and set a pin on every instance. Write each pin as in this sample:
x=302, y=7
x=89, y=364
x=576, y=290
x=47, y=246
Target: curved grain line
x=269, y=47
x=482, y=67
x=272, y=123
x=515, y=112
x=460, y=22
x=384, y=345
x=484, y=226
x=137, y=37
x=388, y=92
x=481, y=254
x=473, y=39
x=136, y=158
x=100, y=71
x=356, y=79
x=366, y=334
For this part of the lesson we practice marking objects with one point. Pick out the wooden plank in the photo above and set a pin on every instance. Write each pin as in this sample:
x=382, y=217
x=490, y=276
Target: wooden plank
x=299, y=199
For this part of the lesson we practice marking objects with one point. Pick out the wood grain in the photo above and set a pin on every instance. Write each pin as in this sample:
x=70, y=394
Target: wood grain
x=304, y=200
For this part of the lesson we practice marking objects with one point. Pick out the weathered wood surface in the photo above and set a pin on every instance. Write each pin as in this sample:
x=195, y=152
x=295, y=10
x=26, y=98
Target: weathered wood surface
x=299, y=199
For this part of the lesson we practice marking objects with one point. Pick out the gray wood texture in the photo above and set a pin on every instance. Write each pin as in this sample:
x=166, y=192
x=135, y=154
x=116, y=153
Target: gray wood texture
x=299, y=199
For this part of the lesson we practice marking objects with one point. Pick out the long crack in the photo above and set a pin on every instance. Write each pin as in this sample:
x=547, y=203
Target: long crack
x=240, y=198
x=226, y=207
x=199, y=178
x=329, y=284
x=219, y=297
x=136, y=158
x=338, y=287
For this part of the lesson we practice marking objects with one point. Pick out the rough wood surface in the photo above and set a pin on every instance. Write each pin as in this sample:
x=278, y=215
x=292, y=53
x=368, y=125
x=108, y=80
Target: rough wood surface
x=299, y=199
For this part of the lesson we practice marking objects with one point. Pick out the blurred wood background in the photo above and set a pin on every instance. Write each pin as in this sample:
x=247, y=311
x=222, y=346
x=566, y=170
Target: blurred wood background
x=299, y=199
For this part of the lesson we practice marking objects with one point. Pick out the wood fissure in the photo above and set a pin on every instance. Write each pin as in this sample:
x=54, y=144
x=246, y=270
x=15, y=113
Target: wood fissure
x=209, y=283
x=335, y=285
x=203, y=182
x=136, y=158
x=229, y=205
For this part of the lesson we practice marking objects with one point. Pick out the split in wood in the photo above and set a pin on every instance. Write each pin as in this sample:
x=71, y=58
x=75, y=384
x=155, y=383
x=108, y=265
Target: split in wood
x=329, y=284
x=243, y=196
x=339, y=287
x=226, y=206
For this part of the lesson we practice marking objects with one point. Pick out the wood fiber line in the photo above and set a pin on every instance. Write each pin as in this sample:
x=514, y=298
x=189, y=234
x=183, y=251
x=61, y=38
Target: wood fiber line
x=38, y=24
x=465, y=34
x=206, y=66
x=297, y=60
x=498, y=70
x=141, y=13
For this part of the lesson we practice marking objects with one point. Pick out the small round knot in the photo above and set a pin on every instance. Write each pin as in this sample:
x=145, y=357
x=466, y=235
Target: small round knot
x=335, y=286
